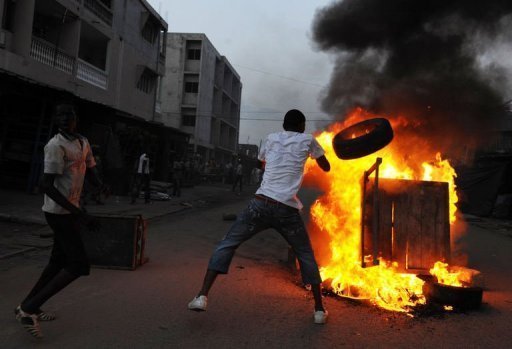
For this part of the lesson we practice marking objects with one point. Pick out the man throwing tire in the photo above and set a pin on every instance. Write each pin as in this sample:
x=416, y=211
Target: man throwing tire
x=275, y=205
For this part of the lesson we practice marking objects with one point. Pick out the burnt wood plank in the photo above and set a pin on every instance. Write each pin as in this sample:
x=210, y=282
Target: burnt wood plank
x=429, y=203
x=414, y=225
x=385, y=223
x=399, y=238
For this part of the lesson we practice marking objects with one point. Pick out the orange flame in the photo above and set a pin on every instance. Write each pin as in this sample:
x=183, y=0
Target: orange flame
x=337, y=213
x=453, y=276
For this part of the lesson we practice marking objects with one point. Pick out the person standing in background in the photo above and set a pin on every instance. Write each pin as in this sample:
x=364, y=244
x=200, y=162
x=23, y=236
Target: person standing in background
x=178, y=172
x=238, y=176
x=142, y=179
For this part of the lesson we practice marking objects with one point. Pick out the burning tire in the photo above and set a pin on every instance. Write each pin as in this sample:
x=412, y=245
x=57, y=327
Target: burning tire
x=362, y=139
x=464, y=298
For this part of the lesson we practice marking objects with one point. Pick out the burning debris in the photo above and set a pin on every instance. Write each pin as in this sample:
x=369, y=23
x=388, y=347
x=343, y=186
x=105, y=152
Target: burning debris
x=337, y=218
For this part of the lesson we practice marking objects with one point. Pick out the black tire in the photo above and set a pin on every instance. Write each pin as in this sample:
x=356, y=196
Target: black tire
x=362, y=139
x=463, y=298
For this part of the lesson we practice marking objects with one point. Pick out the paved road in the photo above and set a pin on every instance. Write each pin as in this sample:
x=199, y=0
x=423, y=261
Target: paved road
x=259, y=304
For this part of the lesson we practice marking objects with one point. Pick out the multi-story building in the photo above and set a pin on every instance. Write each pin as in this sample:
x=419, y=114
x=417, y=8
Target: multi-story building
x=201, y=95
x=107, y=57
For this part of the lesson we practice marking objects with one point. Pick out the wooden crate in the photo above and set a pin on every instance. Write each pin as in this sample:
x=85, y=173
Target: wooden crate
x=412, y=219
x=119, y=244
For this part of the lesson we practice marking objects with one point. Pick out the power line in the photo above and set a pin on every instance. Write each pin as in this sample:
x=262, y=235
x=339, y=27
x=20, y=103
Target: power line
x=237, y=118
x=280, y=76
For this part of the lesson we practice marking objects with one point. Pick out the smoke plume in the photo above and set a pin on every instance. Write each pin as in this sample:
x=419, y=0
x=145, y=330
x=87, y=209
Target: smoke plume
x=425, y=60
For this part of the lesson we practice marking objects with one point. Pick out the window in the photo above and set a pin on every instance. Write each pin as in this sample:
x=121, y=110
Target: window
x=8, y=17
x=150, y=32
x=146, y=82
x=194, y=54
x=163, y=42
x=189, y=116
x=191, y=87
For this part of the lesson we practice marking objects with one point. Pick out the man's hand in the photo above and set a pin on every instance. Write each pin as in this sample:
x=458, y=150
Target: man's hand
x=90, y=222
x=323, y=163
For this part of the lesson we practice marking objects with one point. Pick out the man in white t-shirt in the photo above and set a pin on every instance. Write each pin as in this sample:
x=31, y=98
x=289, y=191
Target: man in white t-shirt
x=67, y=157
x=142, y=179
x=275, y=205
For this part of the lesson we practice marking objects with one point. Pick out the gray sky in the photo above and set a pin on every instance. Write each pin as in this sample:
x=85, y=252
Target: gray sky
x=268, y=43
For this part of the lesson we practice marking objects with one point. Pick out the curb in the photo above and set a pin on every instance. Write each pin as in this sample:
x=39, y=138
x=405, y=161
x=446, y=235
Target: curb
x=12, y=254
x=23, y=220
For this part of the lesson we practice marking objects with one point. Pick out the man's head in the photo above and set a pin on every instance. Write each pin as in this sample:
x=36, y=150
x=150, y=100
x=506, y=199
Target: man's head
x=294, y=121
x=65, y=117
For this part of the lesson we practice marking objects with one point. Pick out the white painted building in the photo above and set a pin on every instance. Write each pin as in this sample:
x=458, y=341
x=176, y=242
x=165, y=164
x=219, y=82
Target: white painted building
x=200, y=95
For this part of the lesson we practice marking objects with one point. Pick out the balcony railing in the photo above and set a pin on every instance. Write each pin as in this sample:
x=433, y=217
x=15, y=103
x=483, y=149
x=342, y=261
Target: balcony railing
x=91, y=74
x=48, y=54
x=100, y=10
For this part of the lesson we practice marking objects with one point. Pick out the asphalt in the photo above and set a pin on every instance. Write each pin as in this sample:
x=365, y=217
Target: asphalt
x=260, y=304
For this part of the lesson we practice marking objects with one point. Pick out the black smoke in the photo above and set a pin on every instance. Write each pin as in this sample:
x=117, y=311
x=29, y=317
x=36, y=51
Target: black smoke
x=416, y=58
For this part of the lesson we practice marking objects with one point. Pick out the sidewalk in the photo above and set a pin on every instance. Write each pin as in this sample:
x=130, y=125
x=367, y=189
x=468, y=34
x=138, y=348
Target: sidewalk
x=33, y=233
x=20, y=207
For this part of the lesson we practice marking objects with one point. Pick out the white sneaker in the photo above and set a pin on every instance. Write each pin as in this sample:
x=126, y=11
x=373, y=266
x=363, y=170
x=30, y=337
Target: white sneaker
x=198, y=303
x=321, y=316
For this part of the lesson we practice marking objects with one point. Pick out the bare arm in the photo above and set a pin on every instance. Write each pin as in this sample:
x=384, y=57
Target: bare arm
x=323, y=163
x=50, y=190
x=94, y=177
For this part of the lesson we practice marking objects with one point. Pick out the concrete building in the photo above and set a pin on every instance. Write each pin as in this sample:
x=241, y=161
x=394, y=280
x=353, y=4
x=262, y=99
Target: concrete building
x=201, y=95
x=108, y=58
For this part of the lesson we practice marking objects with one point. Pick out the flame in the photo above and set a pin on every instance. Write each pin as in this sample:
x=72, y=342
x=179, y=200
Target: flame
x=337, y=213
x=453, y=276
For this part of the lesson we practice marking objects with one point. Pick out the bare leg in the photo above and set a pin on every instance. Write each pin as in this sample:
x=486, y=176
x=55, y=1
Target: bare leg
x=209, y=279
x=317, y=295
x=48, y=274
x=51, y=288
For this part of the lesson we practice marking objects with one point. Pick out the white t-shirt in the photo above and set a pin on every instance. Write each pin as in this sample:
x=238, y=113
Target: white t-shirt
x=143, y=164
x=69, y=160
x=285, y=154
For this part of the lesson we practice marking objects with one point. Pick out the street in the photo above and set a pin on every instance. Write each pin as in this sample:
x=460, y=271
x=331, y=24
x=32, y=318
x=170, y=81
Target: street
x=259, y=304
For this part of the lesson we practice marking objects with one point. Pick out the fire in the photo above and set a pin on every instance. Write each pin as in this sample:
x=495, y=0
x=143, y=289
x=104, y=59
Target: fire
x=337, y=213
x=453, y=276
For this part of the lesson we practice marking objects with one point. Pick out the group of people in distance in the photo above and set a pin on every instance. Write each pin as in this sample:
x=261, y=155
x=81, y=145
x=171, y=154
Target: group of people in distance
x=67, y=159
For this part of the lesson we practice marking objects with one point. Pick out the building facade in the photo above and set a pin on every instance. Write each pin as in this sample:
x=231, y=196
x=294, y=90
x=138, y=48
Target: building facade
x=201, y=95
x=107, y=57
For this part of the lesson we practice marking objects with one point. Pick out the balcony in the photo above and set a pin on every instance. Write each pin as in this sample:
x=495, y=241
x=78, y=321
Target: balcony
x=48, y=54
x=89, y=73
x=101, y=10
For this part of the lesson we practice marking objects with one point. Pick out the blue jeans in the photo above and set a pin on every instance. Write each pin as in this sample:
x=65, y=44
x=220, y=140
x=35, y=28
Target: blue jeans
x=258, y=216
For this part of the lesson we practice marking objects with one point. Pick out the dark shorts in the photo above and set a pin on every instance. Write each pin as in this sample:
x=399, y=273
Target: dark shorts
x=68, y=249
x=258, y=216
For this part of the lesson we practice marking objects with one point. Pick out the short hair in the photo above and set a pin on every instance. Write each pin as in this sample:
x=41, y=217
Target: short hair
x=63, y=113
x=293, y=118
